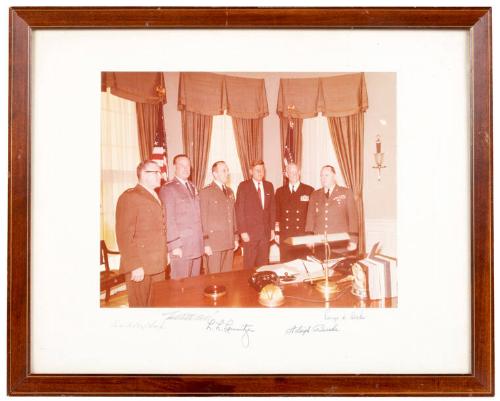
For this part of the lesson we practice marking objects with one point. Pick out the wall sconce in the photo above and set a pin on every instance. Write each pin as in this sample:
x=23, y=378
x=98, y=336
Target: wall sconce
x=379, y=156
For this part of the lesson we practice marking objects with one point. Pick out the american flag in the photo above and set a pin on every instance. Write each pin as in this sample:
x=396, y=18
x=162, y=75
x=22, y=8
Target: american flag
x=159, y=154
x=289, y=144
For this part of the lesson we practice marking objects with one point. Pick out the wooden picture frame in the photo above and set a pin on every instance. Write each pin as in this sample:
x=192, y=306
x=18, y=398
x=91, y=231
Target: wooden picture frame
x=20, y=379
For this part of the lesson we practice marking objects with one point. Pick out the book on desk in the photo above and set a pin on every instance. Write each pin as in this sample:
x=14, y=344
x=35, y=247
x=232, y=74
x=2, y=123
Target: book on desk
x=312, y=239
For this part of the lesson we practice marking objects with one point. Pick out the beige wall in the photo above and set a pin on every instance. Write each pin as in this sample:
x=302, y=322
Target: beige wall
x=380, y=197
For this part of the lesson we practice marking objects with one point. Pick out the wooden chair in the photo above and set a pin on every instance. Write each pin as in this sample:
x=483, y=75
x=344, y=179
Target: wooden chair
x=109, y=278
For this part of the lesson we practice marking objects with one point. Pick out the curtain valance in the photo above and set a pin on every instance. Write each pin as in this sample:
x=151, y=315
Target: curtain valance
x=335, y=96
x=141, y=87
x=212, y=94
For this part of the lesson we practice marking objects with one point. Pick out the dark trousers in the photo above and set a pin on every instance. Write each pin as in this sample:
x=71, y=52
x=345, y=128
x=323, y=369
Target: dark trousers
x=183, y=267
x=255, y=253
x=220, y=261
x=289, y=252
x=139, y=292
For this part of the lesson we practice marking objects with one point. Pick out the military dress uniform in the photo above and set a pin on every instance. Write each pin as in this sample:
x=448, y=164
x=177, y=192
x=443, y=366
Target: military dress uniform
x=181, y=201
x=218, y=220
x=332, y=212
x=141, y=238
x=291, y=214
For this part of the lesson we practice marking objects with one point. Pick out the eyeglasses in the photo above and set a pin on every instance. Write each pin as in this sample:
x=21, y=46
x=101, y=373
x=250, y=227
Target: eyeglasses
x=152, y=171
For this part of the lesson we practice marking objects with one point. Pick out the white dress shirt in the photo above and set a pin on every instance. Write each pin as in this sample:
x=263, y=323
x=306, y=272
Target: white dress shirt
x=294, y=187
x=262, y=195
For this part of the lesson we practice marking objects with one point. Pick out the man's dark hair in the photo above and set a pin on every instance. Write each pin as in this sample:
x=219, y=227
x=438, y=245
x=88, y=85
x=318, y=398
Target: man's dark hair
x=214, y=166
x=179, y=156
x=330, y=167
x=257, y=163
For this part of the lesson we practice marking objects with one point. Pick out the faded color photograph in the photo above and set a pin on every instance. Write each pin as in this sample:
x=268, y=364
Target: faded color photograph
x=248, y=189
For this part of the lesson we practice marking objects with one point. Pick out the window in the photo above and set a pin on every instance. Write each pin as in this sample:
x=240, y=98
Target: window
x=119, y=158
x=223, y=147
x=317, y=151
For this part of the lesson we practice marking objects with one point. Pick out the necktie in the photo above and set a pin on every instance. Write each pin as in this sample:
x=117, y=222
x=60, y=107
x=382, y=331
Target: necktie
x=327, y=194
x=293, y=189
x=224, y=190
x=189, y=189
x=260, y=194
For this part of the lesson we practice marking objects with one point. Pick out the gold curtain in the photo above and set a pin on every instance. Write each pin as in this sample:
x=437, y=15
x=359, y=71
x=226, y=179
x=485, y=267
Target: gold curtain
x=347, y=136
x=343, y=95
x=334, y=96
x=299, y=97
x=147, y=126
x=196, y=135
x=297, y=137
x=248, y=133
x=245, y=97
x=119, y=158
x=211, y=94
x=204, y=95
x=141, y=87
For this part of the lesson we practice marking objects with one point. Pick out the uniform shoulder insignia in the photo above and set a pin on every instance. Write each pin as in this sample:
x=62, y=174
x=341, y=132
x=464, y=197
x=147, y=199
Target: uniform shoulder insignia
x=132, y=190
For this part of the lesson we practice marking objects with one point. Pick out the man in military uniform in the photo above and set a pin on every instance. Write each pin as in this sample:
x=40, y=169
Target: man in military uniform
x=183, y=220
x=332, y=210
x=292, y=200
x=141, y=235
x=218, y=220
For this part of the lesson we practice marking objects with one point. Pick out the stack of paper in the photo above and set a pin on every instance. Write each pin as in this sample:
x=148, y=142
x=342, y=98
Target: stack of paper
x=301, y=270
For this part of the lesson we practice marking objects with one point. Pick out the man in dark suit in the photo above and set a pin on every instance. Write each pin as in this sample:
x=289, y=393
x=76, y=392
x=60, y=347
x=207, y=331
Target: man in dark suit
x=332, y=210
x=183, y=220
x=292, y=200
x=218, y=220
x=255, y=216
x=141, y=235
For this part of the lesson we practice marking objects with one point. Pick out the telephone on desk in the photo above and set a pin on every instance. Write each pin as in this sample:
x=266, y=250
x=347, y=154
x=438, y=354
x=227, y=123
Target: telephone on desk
x=273, y=274
x=259, y=280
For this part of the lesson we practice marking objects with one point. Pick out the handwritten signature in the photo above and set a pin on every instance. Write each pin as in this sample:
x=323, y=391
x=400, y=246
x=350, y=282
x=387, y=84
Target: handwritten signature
x=226, y=326
x=303, y=330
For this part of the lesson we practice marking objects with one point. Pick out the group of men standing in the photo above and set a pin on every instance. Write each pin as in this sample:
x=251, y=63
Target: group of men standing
x=181, y=224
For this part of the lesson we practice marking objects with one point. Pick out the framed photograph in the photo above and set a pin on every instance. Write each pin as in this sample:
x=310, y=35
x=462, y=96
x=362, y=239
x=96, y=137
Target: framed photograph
x=145, y=134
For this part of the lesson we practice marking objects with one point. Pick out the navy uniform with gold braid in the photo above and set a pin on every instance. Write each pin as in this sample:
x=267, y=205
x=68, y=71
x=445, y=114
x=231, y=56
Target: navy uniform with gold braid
x=335, y=213
x=291, y=214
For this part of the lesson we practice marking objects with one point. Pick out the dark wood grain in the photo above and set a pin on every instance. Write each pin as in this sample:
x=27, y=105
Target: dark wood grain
x=21, y=381
x=158, y=17
x=482, y=203
x=188, y=293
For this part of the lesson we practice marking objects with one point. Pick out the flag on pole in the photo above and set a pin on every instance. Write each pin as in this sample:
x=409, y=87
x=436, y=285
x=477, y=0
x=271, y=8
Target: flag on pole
x=159, y=154
x=289, y=148
x=289, y=145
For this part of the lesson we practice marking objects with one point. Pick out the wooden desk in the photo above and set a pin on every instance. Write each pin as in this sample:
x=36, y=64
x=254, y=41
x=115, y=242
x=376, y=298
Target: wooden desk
x=188, y=293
